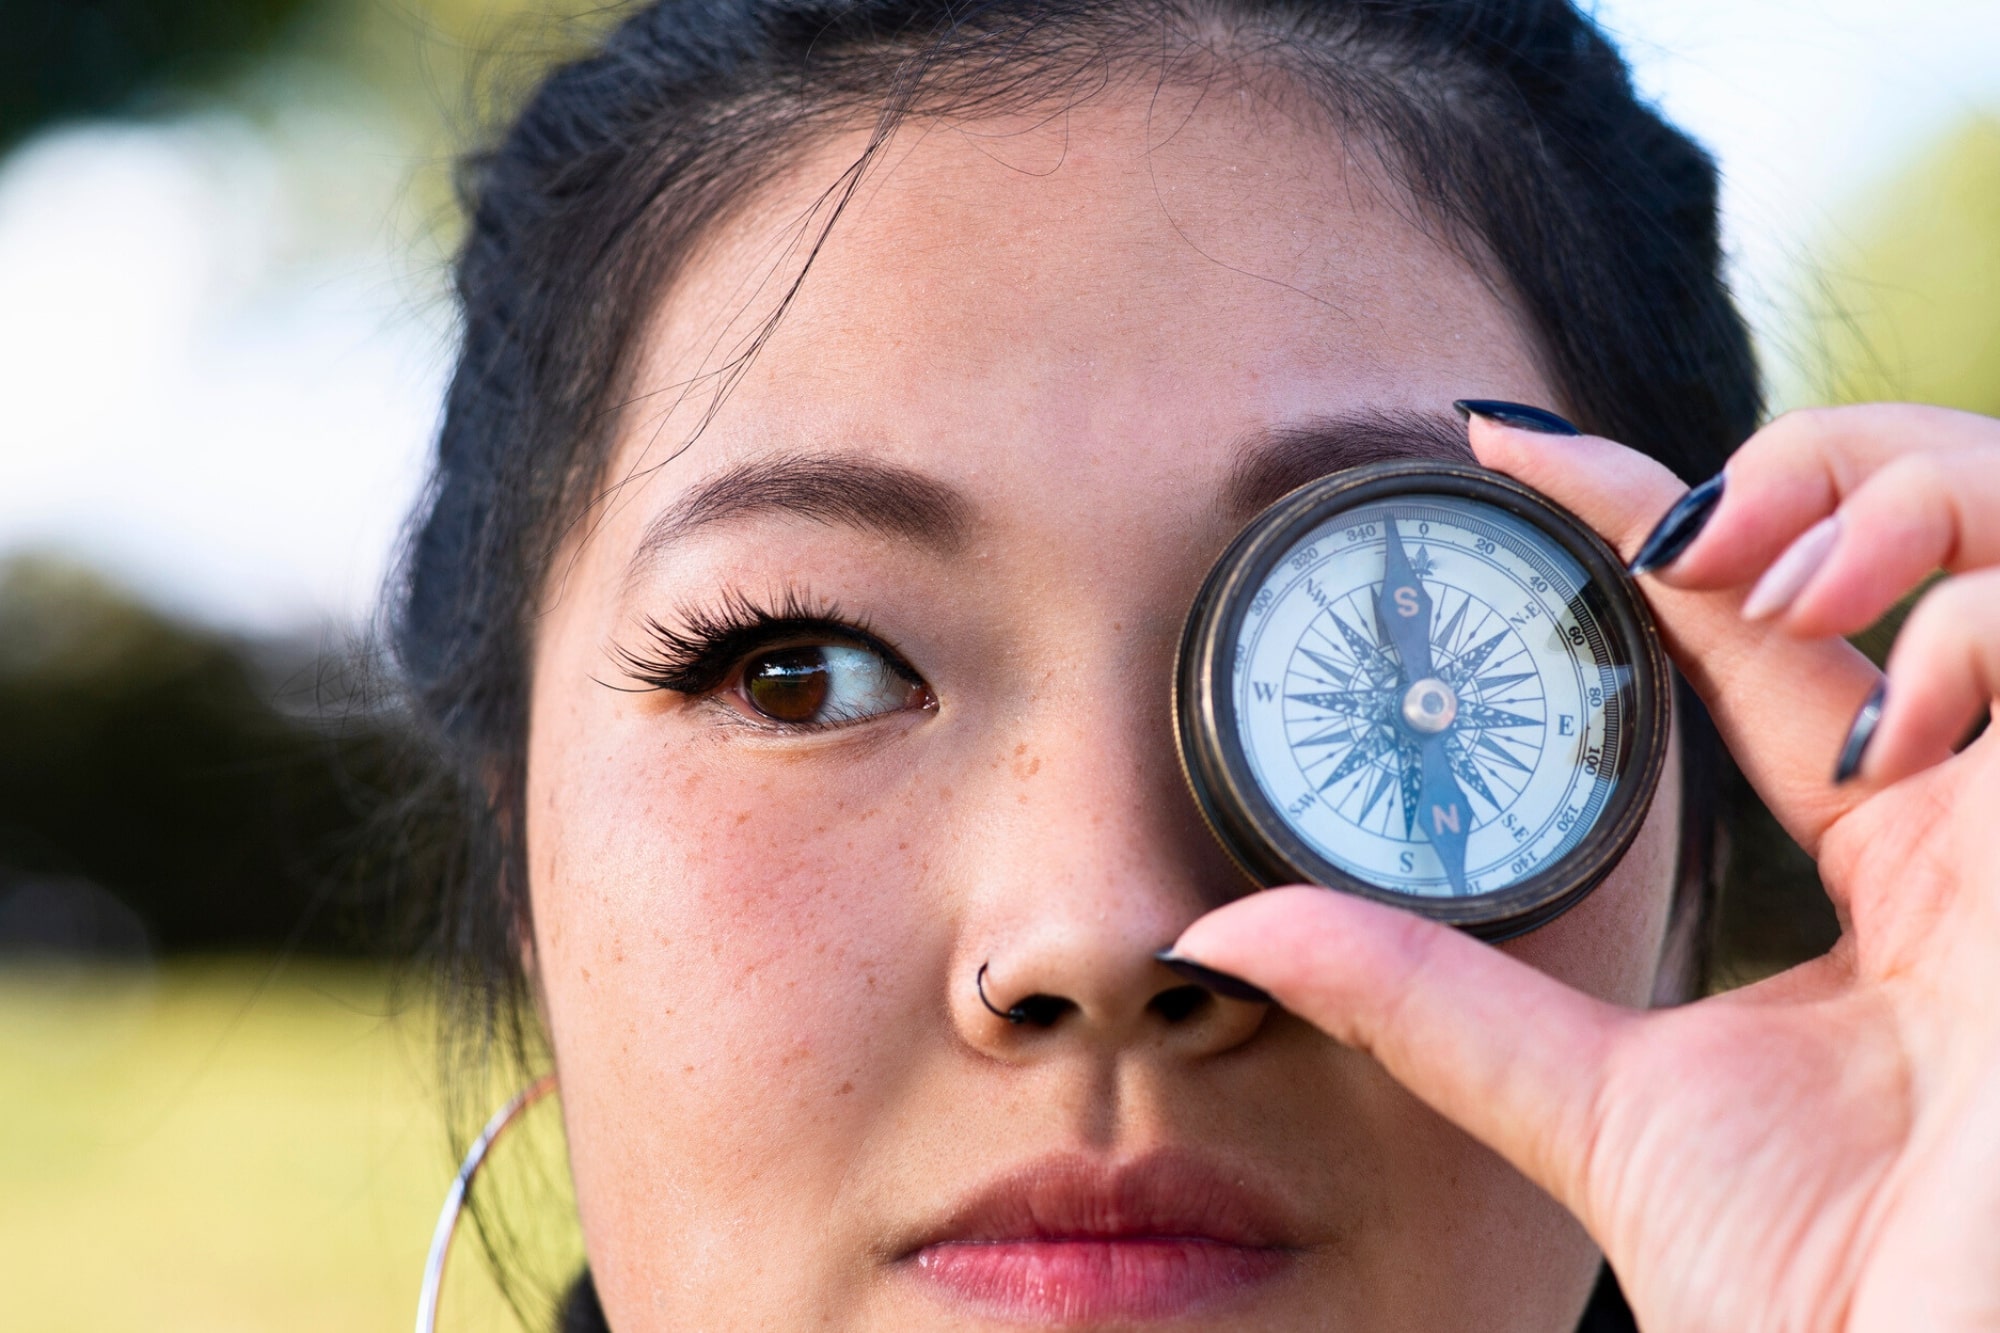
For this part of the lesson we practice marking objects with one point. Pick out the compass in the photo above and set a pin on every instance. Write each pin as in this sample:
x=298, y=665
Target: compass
x=1429, y=685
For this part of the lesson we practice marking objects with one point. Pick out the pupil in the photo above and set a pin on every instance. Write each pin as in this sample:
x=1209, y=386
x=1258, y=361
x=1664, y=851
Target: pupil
x=787, y=685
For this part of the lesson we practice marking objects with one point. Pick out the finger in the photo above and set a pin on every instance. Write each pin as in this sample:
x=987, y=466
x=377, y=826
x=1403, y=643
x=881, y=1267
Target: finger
x=1919, y=513
x=1797, y=470
x=1943, y=671
x=1782, y=704
x=1507, y=1053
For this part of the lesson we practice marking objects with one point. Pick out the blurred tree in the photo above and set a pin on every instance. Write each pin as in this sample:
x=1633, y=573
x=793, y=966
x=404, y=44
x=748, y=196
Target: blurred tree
x=69, y=58
x=1916, y=314
x=155, y=760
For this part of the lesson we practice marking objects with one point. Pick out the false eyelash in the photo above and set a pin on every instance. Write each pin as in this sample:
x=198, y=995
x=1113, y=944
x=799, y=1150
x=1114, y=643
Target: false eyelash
x=713, y=641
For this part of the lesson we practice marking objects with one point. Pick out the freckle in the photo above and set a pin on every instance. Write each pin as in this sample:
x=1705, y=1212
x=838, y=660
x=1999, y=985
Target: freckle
x=586, y=974
x=687, y=1069
x=1020, y=749
x=845, y=1088
x=743, y=817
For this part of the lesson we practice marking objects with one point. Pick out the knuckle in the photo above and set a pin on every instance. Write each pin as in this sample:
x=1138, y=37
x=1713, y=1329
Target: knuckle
x=1914, y=476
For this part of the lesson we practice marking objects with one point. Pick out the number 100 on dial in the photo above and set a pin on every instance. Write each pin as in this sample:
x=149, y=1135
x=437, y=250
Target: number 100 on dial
x=1427, y=684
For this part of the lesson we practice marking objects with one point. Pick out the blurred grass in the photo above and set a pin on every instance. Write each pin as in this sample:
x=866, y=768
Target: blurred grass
x=195, y=1148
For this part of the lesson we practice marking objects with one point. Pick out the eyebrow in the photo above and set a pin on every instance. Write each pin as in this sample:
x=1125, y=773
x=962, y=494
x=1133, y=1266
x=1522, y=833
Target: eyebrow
x=1273, y=462
x=849, y=489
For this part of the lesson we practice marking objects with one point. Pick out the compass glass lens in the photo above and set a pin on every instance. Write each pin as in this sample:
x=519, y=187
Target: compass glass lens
x=1430, y=693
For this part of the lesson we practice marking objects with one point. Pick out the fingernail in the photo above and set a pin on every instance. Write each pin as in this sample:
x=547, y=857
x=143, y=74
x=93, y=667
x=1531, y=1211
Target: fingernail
x=1516, y=414
x=1683, y=523
x=1790, y=572
x=1208, y=978
x=1859, y=734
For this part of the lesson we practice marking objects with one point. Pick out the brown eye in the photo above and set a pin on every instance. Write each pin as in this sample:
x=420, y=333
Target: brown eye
x=824, y=684
x=788, y=684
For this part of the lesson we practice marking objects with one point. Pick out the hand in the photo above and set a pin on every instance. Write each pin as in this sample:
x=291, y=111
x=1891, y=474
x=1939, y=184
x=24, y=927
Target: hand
x=1820, y=1150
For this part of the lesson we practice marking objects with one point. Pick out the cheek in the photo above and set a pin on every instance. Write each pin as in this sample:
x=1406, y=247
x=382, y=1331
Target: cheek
x=709, y=939
x=1609, y=944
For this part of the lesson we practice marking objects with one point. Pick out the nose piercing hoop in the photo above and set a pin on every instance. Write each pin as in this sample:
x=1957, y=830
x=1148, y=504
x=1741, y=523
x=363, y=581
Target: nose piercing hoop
x=1037, y=1010
x=1017, y=1015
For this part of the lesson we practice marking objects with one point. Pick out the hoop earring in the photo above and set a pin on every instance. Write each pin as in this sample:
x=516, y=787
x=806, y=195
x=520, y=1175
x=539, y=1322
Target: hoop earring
x=461, y=1187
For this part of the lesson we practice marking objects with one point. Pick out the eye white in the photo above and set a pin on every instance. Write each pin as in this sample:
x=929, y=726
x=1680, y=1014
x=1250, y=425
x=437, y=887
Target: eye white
x=860, y=684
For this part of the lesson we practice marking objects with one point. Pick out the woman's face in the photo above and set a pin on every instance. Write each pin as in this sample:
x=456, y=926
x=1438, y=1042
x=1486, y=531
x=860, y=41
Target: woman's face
x=1039, y=376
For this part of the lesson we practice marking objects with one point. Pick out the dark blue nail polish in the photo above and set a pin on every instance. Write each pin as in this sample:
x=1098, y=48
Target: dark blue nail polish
x=1677, y=531
x=1516, y=414
x=1860, y=733
x=1209, y=979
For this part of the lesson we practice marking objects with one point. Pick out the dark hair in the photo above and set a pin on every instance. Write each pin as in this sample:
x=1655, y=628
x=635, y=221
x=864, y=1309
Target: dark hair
x=1512, y=124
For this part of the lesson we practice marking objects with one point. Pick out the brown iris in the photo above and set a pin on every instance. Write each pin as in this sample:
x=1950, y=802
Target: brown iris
x=787, y=684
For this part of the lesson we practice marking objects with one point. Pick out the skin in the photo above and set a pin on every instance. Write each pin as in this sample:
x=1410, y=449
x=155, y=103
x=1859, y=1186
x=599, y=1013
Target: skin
x=755, y=952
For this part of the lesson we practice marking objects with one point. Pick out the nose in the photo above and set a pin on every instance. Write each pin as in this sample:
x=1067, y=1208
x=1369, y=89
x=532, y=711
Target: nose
x=1093, y=858
x=1157, y=1011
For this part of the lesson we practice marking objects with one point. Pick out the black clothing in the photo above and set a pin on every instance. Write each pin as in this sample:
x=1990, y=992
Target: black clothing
x=1606, y=1313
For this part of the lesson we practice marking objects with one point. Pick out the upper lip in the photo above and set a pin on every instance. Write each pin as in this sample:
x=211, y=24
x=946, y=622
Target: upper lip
x=1166, y=1194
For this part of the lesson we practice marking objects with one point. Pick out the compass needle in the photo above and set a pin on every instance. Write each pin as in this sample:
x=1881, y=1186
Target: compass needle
x=1443, y=813
x=1473, y=715
x=1403, y=605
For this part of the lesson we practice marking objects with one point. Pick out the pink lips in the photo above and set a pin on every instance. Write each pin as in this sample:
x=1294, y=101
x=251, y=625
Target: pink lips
x=1070, y=1242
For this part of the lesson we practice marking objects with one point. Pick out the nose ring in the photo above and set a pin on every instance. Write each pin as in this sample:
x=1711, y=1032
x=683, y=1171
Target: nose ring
x=1015, y=1015
x=1040, y=1010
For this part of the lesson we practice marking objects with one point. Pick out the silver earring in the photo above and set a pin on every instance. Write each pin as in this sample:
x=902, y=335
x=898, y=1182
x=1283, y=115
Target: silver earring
x=454, y=1199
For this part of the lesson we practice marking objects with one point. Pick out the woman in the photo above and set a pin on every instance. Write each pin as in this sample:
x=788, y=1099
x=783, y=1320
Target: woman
x=852, y=399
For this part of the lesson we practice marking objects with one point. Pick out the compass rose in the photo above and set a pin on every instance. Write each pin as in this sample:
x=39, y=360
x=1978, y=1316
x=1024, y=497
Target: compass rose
x=1416, y=707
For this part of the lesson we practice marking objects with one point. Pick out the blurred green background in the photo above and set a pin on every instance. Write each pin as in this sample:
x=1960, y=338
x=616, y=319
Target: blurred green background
x=218, y=1105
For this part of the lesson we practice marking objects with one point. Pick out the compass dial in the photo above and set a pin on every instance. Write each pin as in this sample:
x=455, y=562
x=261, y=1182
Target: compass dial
x=1427, y=684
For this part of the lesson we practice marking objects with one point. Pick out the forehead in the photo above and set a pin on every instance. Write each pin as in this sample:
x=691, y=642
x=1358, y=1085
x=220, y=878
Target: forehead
x=1117, y=294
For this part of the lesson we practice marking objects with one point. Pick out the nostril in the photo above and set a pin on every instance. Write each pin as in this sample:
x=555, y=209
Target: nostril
x=1179, y=1003
x=1042, y=1011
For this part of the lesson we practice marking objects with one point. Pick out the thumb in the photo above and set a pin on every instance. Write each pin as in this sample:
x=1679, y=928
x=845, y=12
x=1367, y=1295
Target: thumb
x=1510, y=1055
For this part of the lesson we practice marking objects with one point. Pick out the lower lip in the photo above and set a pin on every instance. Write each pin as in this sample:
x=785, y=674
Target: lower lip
x=1092, y=1279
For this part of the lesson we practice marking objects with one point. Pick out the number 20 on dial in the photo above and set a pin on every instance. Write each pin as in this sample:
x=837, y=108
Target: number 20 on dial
x=1429, y=685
